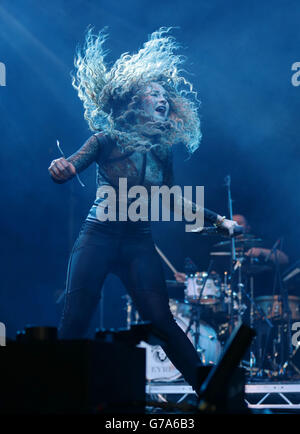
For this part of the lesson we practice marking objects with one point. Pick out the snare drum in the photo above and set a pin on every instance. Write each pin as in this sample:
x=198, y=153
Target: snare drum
x=210, y=294
x=160, y=368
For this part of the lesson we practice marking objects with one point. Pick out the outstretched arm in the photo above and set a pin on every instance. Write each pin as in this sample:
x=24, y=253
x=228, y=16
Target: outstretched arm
x=62, y=169
x=210, y=216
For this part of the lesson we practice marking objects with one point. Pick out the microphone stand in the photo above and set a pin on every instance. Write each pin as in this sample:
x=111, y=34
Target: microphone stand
x=240, y=285
x=227, y=180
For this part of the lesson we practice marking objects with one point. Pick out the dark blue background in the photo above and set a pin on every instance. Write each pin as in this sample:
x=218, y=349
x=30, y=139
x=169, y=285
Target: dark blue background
x=240, y=56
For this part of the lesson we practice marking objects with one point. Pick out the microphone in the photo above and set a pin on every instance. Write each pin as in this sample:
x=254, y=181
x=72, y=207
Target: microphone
x=211, y=230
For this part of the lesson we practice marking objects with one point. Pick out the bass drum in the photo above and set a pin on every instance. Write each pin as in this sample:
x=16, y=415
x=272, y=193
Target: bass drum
x=160, y=368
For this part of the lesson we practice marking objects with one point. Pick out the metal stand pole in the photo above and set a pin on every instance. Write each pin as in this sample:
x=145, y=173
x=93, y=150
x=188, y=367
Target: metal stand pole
x=196, y=315
x=233, y=251
x=286, y=316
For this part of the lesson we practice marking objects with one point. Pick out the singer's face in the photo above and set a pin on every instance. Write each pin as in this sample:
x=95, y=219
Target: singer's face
x=155, y=102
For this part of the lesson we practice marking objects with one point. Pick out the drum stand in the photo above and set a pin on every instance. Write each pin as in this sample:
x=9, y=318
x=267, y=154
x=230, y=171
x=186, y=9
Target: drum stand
x=284, y=339
x=258, y=349
x=132, y=315
x=280, y=338
x=196, y=317
x=256, y=356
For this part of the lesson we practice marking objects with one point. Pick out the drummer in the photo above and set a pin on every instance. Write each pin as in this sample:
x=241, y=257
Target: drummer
x=259, y=252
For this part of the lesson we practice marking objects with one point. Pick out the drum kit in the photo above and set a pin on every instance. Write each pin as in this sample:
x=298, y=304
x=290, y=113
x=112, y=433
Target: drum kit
x=207, y=306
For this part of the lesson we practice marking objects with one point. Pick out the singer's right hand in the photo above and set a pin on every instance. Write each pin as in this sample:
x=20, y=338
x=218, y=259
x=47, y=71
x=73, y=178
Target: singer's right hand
x=61, y=170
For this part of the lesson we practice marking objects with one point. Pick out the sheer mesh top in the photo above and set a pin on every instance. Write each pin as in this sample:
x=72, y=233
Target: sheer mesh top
x=152, y=168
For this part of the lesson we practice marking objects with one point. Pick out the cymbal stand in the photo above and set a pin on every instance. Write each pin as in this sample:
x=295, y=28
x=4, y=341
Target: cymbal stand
x=253, y=359
x=254, y=309
x=286, y=316
x=240, y=286
x=132, y=315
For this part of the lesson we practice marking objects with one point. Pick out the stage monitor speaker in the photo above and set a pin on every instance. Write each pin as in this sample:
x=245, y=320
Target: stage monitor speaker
x=69, y=376
x=222, y=391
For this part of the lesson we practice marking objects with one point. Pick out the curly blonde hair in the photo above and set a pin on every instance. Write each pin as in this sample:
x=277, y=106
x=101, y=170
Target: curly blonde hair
x=112, y=97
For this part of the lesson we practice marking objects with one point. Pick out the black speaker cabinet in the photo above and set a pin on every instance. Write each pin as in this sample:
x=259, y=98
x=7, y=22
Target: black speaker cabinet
x=82, y=376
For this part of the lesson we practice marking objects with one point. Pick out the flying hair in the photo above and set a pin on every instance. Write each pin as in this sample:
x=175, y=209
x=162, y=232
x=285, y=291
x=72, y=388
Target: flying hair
x=111, y=96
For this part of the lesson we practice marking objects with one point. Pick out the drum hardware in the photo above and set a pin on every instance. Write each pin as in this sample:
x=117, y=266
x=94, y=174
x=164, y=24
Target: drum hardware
x=292, y=274
x=235, y=267
x=275, y=342
x=195, y=319
x=291, y=360
x=252, y=358
x=132, y=315
x=203, y=287
x=284, y=336
x=244, y=241
x=272, y=317
x=195, y=322
x=234, y=263
x=247, y=267
x=233, y=293
x=273, y=307
x=236, y=308
x=220, y=253
x=205, y=292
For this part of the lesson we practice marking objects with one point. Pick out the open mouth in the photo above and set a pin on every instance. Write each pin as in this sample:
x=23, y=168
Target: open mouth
x=161, y=109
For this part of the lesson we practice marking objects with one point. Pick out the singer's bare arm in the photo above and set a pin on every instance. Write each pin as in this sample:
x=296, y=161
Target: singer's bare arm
x=209, y=215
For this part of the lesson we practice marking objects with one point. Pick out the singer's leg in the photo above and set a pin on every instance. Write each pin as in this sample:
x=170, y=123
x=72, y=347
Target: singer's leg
x=146, y=285
x=89, y=263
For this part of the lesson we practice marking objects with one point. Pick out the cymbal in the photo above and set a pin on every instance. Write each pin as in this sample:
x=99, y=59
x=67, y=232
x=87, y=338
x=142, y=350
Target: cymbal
x=226, y=253
x=243, y=241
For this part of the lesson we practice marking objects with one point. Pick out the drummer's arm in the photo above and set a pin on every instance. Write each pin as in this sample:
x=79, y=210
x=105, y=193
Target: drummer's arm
x=180, y=277
x=277, y=256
